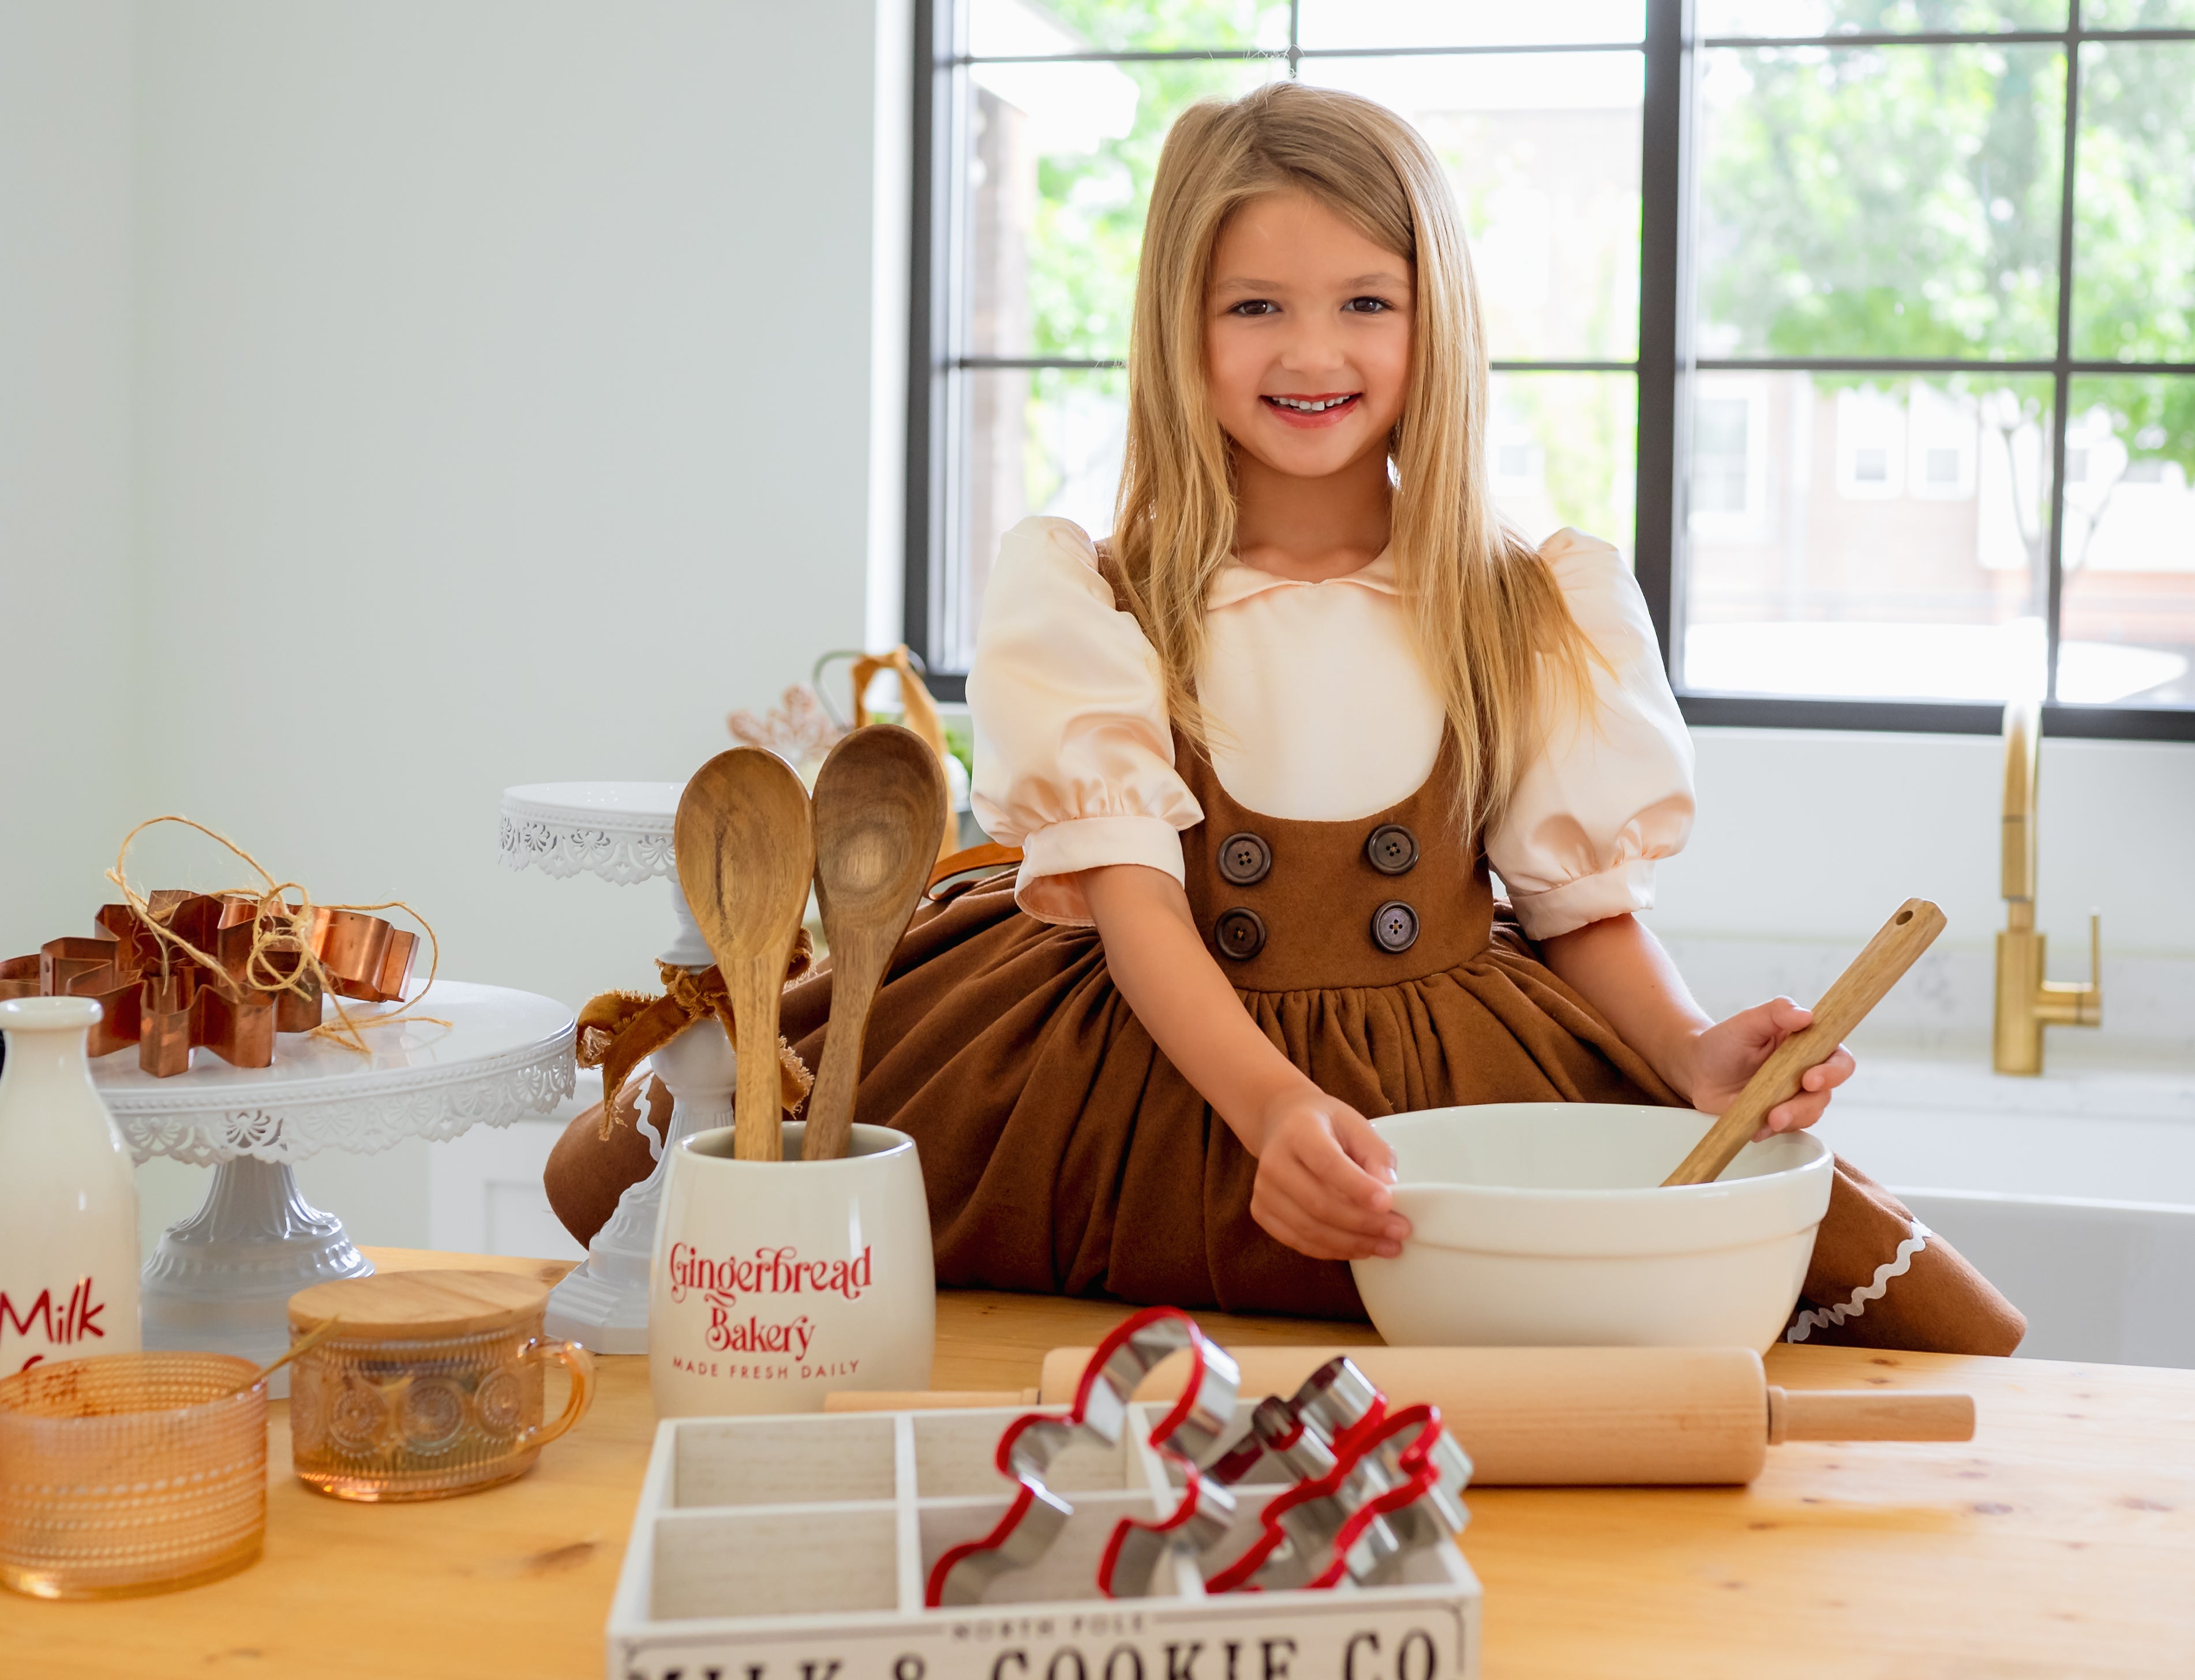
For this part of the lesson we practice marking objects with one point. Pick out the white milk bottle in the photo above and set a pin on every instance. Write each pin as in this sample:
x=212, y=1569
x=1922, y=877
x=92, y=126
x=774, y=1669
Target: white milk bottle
x=68, y=1195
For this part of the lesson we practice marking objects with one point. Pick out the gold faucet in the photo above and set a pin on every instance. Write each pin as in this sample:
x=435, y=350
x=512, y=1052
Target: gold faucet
x=2026, y=1003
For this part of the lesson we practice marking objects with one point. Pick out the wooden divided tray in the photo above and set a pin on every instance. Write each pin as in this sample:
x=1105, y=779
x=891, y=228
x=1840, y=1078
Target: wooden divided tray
x=796, y=1548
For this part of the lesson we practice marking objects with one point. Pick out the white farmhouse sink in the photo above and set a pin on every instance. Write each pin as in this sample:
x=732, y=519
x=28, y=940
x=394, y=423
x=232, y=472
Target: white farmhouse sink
x=2120, y=1133
x=2073, y=1192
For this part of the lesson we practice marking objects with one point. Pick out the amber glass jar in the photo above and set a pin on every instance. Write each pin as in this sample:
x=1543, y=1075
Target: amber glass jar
x=431, y=1385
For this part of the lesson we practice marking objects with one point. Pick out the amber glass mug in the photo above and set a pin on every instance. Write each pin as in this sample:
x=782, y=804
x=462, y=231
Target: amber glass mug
x=431, y=1385
x=130, y=1473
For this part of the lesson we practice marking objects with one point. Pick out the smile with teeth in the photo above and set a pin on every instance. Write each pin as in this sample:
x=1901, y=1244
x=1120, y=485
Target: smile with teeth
x=1313, y=405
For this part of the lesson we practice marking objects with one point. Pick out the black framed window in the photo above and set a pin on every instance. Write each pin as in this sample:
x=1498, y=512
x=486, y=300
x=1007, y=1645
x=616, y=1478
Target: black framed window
x=1787, y=298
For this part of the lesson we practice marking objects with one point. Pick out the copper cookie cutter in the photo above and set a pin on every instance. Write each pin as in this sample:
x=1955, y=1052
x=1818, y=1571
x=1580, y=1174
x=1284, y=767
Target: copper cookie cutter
x=166, y=1003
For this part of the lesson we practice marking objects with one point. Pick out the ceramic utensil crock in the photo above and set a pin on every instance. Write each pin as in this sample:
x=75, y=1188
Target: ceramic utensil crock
x=777, y=1281
x=130, y=1474
x=431, y=1386
x=68, y=1196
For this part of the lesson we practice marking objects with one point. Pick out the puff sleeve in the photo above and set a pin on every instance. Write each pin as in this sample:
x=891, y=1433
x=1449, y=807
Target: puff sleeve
x=1612, y=792
x=1073, y=751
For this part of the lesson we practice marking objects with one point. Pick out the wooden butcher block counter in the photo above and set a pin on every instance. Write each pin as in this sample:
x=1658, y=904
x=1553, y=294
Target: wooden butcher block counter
x=2060, y=1541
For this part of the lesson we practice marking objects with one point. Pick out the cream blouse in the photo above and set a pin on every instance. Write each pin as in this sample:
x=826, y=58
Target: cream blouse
x=1320, y=711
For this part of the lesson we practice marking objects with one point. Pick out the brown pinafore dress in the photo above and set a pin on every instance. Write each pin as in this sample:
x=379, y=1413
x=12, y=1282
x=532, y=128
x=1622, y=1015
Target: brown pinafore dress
x=1064, y=1155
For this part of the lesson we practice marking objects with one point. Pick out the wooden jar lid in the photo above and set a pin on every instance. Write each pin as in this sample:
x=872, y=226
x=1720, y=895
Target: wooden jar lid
x=420, y=1303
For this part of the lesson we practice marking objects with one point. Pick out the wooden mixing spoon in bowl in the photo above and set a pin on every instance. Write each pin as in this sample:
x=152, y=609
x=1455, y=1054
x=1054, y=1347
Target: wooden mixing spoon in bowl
x=747, y=852
x=881, y=809
x=1911, y=930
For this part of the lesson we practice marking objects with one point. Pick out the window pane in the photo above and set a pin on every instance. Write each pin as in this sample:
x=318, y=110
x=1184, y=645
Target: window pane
x=2138, y=15
x=1046, y=441
x=1867, y=537
x=1562, y=449
x=2127, y=614
x=1881, y=201
x=1467, y=23
x=1840, y=17
x=2134, y=203
x=1059, y=173
x=1017, y=27
x=1542, y=150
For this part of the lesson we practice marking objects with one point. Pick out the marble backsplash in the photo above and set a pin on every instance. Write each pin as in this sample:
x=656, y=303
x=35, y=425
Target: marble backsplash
x=1944, y=1004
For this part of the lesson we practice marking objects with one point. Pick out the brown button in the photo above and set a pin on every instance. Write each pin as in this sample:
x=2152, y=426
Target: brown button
x=1244, y=859
x=1392, y=849
x=1240, y=933
x=1394, y=926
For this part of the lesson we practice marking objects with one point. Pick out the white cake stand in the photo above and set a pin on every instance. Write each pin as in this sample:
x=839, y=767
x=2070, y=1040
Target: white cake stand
x=621, y=832
x=220, y=1278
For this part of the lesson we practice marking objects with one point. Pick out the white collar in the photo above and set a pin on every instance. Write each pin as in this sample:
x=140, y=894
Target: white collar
x=1238, y=582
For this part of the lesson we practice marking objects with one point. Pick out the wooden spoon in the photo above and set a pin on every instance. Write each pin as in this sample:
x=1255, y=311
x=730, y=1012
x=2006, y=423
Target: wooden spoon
x=880, y=815
x=746, y=851
x=1858, y=989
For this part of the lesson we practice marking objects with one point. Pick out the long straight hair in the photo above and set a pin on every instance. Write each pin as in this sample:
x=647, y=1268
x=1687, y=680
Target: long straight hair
x=1487, y=615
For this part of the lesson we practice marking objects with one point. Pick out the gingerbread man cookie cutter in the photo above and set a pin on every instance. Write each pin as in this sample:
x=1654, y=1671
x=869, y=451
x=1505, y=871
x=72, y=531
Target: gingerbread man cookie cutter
x=1189, y=1436
x=1369, y=1487
x=1372, y=1486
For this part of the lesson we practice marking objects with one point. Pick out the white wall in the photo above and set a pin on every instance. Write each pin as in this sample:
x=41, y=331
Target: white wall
x=66, y=625
x=504, y=390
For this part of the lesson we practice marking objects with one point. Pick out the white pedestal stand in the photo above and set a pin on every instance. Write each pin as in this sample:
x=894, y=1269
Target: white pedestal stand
x=621, y=832
x=604, y=1303
x=220, y=1279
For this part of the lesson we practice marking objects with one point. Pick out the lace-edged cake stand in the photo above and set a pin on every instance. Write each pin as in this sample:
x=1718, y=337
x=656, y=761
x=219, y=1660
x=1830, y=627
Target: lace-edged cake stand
x=621, y=832
x=222, y=1279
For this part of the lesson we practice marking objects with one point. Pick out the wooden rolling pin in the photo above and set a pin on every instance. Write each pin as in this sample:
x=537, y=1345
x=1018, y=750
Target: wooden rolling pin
x=1568, y=1416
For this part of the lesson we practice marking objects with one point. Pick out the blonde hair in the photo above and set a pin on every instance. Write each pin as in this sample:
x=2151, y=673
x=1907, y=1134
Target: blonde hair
x=1484, y=609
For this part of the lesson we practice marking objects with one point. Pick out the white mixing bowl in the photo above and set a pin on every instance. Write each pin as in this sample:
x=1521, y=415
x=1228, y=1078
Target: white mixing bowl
x=1545, y=1224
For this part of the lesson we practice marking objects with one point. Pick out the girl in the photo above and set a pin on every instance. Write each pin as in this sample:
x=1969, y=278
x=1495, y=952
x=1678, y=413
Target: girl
x=1259, y=750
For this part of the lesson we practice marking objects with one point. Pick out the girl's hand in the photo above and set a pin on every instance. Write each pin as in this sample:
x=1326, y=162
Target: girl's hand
x=1322, y=1180
x=1725, y=1054
x=1323, y=1172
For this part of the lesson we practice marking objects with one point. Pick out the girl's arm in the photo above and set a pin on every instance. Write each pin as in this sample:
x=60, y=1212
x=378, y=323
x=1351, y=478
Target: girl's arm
x=1622, y=971
x=1322, y=1171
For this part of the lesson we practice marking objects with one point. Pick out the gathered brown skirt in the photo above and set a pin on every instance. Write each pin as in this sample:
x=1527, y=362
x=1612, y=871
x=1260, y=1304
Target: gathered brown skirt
x=1064, y=1154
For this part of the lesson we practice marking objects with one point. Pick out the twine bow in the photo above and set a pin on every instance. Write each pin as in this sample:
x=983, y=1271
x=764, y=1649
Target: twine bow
x=617, y=1029
x=227, y=970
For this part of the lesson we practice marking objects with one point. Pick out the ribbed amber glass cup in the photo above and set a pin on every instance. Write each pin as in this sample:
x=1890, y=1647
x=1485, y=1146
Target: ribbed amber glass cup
x=431, y=1384
x=131, y=1473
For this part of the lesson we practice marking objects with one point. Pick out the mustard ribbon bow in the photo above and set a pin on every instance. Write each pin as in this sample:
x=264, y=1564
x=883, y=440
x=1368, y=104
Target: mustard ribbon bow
x=618, y=1029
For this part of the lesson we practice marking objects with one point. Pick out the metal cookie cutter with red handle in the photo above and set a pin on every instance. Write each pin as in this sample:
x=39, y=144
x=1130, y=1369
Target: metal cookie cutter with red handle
x=1372, y=1486
x=1189, y=1435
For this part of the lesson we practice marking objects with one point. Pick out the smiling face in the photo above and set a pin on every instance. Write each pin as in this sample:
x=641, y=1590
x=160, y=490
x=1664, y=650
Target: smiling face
x=1307, y=336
